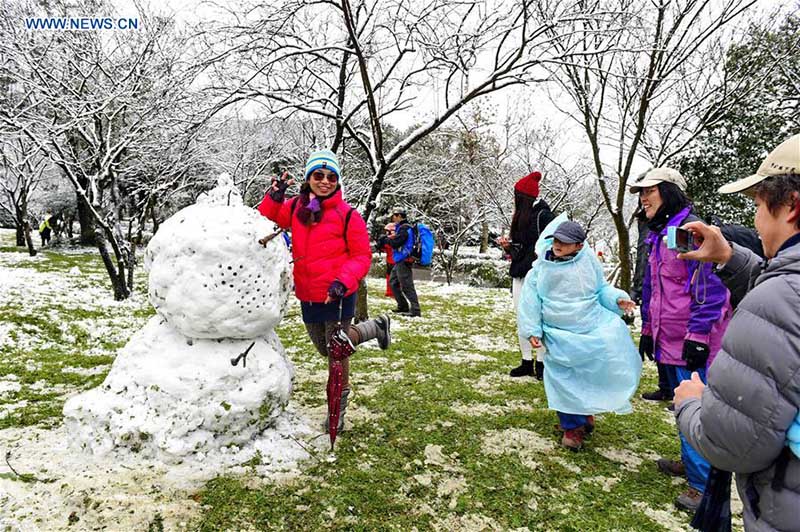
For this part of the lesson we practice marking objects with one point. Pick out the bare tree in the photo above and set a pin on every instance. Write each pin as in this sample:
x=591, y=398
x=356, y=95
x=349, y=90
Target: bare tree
x=647, y=97
x=22, y=169
x=96, y=105
x=376, y=58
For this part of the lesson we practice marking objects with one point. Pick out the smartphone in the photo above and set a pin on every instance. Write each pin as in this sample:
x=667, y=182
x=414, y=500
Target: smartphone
x=680, y=240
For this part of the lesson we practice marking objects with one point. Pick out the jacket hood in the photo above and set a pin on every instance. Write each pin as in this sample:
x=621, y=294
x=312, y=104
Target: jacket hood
x=787, y=262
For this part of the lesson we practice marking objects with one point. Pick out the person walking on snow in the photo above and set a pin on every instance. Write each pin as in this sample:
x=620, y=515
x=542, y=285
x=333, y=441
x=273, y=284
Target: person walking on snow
x=45, y=229
x=685, y=310
x=401, y=279
x=591, y=364
x=531, y=216
x=331, y=254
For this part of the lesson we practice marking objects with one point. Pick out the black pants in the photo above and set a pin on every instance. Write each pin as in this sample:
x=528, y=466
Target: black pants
x=402, y=282
x=663, y=380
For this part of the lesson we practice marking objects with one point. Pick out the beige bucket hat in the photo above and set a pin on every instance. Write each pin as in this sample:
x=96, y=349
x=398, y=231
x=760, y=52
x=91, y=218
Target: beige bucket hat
x=656, y=176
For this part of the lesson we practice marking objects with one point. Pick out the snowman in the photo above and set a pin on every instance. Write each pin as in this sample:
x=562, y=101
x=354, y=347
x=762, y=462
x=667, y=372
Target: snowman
x=207, y=372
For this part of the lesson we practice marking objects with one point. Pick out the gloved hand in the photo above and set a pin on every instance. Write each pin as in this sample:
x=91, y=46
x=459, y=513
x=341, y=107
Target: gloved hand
x=336, y=291
x=646, y=347
x=279, y=185
x=695, y=354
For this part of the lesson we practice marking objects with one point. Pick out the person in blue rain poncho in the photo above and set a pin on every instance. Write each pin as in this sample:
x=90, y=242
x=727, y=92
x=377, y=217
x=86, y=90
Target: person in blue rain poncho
x=591, y=365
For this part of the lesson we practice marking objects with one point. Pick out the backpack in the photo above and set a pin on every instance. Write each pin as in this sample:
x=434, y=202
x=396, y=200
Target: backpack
x=422, y=249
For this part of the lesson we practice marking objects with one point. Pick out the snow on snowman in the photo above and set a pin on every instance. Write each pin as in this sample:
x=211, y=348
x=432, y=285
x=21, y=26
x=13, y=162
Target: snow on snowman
x=207, y=373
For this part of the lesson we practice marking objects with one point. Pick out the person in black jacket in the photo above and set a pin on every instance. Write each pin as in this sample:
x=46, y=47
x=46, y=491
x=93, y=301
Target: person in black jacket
x=531, y=216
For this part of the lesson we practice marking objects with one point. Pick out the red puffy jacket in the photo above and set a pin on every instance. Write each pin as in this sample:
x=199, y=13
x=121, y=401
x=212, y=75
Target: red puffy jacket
x=320, y=252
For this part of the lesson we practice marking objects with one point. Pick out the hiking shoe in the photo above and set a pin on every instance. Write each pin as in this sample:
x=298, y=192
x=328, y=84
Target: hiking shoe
x=671, y=467
x=384, y=332
x=539, y=371
x=342, y=410
x=411, y=314
x=658, y=395
x=399, y=310
x=525, y=369
x=573, y=438
x=689, y=500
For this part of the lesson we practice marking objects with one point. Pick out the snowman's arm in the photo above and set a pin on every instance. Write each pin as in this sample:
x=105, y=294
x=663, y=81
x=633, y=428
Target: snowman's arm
x=359, y=254
x=279, y=212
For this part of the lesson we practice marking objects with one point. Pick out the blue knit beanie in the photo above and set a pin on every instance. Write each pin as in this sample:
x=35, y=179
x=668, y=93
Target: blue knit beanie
x=322, y=159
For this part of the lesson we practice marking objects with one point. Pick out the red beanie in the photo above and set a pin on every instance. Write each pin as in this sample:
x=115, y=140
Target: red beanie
x=529, y=185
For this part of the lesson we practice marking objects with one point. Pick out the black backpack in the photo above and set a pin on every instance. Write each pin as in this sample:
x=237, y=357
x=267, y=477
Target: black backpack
x=744, y=236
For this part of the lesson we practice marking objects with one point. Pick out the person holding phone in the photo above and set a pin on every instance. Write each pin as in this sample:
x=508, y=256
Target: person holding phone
x=685, y=309
x=747, y=419
x=331, y=252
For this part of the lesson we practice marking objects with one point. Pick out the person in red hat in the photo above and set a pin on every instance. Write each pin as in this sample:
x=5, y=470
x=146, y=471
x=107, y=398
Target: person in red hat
x=531, y=216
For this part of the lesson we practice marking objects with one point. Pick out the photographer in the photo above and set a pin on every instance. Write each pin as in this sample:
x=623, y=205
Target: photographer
x=739, y=421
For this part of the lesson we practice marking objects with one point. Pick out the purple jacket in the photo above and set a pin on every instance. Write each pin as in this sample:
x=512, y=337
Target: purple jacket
x=681, y=300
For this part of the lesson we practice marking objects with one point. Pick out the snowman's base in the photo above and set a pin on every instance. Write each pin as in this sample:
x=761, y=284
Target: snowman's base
x=168, y=396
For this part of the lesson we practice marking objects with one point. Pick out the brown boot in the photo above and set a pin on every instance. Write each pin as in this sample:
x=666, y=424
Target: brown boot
x=689, y=500
x=671, y=467
x=573, y=438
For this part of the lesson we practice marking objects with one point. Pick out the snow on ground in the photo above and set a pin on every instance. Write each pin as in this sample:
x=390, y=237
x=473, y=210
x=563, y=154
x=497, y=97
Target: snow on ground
x=121, y=490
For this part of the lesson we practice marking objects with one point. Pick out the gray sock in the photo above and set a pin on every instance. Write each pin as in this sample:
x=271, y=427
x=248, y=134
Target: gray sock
x=367, y=330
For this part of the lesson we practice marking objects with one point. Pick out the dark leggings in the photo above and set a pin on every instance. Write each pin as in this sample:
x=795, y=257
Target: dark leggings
x=320, y=334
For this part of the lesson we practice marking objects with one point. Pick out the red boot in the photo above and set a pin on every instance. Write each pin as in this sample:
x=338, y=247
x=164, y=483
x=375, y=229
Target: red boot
x=573, y=438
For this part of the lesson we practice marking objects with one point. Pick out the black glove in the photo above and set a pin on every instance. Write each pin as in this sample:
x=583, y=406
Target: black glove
x=278, y=189
x=646, y=347
x=695, y=354
x=337, y=290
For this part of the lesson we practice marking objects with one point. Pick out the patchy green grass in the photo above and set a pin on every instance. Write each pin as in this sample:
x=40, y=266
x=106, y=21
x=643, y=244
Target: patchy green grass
x=438, y=436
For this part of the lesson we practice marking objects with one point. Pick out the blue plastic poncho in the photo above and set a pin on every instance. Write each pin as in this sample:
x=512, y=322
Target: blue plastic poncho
x=591, y=365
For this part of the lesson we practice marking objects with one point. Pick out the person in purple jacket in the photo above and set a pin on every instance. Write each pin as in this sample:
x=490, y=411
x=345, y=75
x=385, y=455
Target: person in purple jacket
x=685, y=309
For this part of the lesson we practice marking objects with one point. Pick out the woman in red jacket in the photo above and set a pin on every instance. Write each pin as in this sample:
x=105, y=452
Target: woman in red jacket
x=331, y=252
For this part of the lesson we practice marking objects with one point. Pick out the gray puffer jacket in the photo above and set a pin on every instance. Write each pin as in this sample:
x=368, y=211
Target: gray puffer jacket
x=753, y=391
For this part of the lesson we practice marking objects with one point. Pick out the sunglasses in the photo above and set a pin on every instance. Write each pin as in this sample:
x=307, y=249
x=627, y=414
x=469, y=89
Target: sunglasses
x=319, y=176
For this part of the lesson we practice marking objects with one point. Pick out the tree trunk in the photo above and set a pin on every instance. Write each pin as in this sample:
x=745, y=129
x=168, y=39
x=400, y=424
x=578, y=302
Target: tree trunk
x=117, y=276
x=29, y=240
x=484, y=236
x=20, y=228
x=624, y=252
x=69, y=221
x=88, y=234
x=21, y=215
x=362, y=310
x=154, y=217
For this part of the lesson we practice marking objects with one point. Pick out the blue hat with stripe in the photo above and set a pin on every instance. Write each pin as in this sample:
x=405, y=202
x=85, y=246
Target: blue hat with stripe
x=324, y=159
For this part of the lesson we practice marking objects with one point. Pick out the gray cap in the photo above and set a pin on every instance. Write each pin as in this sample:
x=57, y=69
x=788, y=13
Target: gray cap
x=570, y=233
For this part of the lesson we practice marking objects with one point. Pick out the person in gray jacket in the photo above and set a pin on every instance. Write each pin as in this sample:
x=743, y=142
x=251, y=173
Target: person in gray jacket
x=739, y=421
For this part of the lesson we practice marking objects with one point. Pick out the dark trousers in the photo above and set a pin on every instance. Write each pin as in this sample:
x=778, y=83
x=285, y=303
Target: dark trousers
x=402, y=282
x=664, y=383
x=572, y=421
